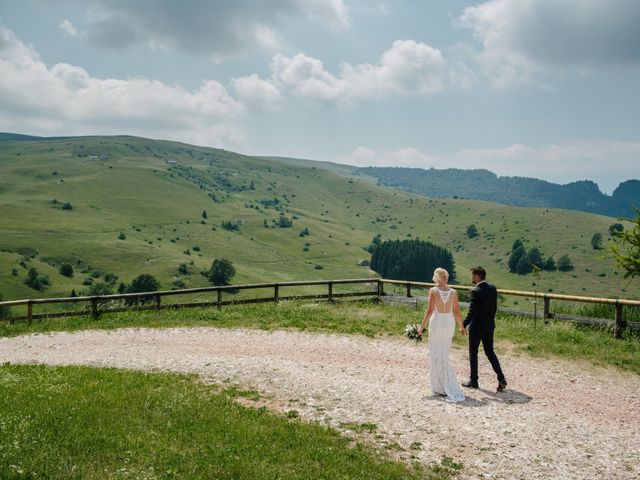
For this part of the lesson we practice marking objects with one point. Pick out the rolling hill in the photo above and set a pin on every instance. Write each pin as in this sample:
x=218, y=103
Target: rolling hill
x=583, y=196
x=126, y=205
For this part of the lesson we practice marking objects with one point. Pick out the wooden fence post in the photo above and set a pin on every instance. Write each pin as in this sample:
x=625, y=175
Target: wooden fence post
x=276, y=295
x=29, y=312
x=380, y=288
x=158, y=303
x=408, y=290
x=94, y=308
x=620, y=324
x=547, y=308
x=219, y=299
x=330, y=285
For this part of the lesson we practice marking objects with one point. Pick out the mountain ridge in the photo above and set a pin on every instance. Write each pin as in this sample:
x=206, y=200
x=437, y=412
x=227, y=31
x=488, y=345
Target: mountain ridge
x=482, y=184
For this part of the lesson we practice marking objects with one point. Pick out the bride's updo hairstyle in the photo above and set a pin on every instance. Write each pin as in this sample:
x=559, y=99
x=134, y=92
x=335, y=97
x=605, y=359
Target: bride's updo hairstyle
x=440, y=274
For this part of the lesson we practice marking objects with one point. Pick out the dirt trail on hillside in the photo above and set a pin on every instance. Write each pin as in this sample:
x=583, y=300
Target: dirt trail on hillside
x=557, y=419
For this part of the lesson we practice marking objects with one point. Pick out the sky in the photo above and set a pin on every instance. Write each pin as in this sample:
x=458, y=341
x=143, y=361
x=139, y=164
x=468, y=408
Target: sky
x=541, y=88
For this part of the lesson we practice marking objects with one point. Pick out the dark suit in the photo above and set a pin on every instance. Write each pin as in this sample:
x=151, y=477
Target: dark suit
x=480, y=322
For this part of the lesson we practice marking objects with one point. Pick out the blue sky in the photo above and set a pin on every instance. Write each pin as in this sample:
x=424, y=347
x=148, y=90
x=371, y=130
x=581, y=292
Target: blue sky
x=543, y=88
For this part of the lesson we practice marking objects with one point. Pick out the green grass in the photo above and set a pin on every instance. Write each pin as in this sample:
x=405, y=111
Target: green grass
x=561, y=339
x=86, y=423
x=158, y=206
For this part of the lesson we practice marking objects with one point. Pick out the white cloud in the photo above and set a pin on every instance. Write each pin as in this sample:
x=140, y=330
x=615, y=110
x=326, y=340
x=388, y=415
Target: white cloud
x=402, y=157
x=604, y=161
x=68, y=28
x=255, y=91
x=408, y=67
x=217, y=29
x=528, y=41
x=65, y=99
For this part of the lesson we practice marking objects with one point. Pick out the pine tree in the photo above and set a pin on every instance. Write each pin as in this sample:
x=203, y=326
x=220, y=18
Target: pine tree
x=516, y=255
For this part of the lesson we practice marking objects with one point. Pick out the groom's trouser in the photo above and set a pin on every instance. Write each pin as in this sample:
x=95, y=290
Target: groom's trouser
x=486, y=337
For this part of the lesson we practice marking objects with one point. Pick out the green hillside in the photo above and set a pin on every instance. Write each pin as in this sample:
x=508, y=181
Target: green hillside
x=155, y=192
x=583, y=196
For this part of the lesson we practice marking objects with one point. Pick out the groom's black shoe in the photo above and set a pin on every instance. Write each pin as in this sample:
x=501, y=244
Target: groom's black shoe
x=502, y=384
x=470, y=384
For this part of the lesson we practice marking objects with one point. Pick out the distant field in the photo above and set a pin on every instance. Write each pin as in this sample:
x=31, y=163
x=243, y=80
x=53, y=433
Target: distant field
x=155, y=192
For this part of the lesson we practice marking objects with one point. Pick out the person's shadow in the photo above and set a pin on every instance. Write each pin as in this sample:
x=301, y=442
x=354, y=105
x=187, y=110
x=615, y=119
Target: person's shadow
x=507, y=397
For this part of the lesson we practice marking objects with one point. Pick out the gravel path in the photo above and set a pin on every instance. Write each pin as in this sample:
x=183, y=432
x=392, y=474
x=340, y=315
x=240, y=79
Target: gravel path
x=557, y=419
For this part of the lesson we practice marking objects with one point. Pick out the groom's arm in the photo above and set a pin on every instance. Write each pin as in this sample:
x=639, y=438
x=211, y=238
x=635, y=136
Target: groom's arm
x=473, y=307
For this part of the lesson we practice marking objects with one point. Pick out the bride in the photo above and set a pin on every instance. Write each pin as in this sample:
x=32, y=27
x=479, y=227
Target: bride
x=441, y=313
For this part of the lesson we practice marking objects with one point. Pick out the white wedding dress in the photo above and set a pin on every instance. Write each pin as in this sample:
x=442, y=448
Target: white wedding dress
x=441, y=329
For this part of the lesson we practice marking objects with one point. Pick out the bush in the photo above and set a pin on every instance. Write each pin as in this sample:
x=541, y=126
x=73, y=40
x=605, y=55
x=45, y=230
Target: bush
x=472, y=231
x=122, y=236
x=34, y=280
x=596, y=241
x=142, y=283
x=615, y=229
x=230, y=226
x=564, y=263
x=221, y=272
x=100, y=288
x=183, y=269
x=67, y=206
x=66, y=269
x=284, y=222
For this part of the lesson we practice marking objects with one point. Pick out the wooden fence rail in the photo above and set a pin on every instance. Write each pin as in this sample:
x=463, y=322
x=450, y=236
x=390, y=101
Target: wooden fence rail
x=619, y=323
x=141, y=301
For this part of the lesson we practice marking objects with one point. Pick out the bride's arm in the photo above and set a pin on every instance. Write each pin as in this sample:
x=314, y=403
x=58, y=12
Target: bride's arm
x=427, y=314
x=456, y=313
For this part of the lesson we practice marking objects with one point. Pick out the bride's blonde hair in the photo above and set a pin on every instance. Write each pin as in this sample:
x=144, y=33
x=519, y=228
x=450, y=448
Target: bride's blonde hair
x=440, y=273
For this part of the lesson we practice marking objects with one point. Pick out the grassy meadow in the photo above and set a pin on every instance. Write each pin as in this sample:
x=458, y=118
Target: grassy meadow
x=90, y=423
x=155, y=192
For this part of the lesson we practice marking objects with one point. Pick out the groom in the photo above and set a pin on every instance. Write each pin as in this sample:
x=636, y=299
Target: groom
x=480, y=322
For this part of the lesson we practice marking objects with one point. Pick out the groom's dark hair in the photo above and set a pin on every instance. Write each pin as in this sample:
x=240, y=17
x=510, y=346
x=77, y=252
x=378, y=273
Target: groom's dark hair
x=480, y=272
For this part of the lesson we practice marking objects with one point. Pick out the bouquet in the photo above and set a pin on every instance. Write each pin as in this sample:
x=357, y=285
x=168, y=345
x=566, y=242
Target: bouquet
x=411, y=332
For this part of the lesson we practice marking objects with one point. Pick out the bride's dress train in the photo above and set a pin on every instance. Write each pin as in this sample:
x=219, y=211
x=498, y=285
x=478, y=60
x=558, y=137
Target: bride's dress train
x=441, y=329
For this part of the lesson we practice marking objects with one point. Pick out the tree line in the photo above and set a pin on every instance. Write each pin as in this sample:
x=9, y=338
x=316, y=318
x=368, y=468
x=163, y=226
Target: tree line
x=409, y=259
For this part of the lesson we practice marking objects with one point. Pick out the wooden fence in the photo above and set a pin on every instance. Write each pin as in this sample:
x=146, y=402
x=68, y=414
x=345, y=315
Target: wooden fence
x=153, y=300
x=618, y=323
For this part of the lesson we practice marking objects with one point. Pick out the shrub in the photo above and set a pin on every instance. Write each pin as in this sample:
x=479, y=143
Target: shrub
x=615, y=229
x=596, y=241
x=122, y=236
x=564, y=263
x=100, y=288
x=221, y=272
x=472, y=231
x=230, y=226
x=284, y=222
x=66, y=269
x=142, y=283
x=34, y=280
